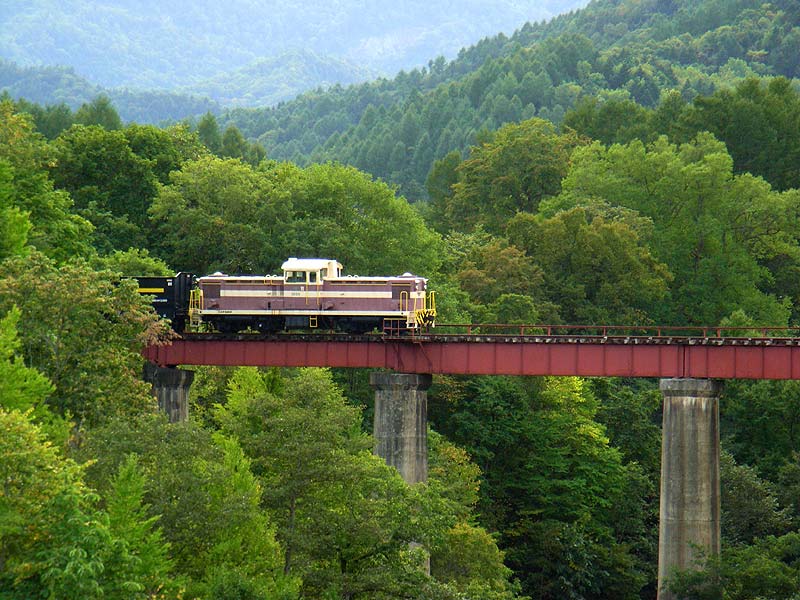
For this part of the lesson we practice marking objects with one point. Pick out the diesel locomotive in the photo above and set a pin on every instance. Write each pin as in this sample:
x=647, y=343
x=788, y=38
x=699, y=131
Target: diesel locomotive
x=309, y=294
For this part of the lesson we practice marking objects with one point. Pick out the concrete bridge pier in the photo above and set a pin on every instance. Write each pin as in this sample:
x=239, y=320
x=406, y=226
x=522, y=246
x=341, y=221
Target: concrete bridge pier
x=171, y=389
x=690, y=495
x=400, y=427
x=401, y=422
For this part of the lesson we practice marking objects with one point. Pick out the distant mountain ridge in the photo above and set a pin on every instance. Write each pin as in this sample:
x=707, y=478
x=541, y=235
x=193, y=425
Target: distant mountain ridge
x=269, y=81
x=59, y=84
x=625, y=49
x=263, y=83
x=165, y=45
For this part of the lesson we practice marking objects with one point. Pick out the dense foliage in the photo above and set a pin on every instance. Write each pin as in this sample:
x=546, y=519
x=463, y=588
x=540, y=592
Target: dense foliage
x=625, y=50
x=674, y=208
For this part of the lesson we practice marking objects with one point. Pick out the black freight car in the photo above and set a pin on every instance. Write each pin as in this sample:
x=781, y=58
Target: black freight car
x=170, y=296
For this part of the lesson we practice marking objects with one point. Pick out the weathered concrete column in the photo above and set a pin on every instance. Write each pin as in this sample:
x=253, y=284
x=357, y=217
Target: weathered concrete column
x=401, y=422
x=400, y=426
x=171, y=389
x=689, y=511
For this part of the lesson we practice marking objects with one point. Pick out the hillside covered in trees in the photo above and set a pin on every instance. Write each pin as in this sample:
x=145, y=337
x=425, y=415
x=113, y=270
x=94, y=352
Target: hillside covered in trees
x=61, y=87
x=608, y=51
x=243, y=54
x=683, y=210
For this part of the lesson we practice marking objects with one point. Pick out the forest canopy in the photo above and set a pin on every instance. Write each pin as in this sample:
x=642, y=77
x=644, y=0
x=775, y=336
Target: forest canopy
x=634, y=163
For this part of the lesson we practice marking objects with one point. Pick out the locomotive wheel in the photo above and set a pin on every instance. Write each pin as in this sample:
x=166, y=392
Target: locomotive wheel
x=225, y=326
x=270, y=325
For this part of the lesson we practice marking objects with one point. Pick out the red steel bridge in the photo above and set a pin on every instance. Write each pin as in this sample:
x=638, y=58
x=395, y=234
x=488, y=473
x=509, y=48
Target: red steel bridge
x=588, y=351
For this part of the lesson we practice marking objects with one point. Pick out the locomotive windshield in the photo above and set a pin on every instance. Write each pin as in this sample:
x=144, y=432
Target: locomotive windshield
x=295, y=276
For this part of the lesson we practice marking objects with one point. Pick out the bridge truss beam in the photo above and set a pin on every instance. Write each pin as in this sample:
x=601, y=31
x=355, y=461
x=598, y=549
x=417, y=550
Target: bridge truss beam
x=731, y=359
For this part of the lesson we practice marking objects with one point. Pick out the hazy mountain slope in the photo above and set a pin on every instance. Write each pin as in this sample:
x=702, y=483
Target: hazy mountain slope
x=271, y=80
x=263, y=83
x=636, y=48
x=54, y=85
x=151, y=43
x=46, y=85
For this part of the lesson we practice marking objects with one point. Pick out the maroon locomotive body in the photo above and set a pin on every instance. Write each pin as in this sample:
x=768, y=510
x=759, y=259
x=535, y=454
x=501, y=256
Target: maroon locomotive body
x=312, y=293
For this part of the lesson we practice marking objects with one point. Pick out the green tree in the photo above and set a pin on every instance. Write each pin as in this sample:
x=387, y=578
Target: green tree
x=165, y=149
x=496, y=268
x=595, y=267
x=613, y=121
x=788, y=489
x=521, y=165
x=667, y=118
x=111, y=186
x=631, y=416
x=515, y=309
x=761, y=423
x=318, y=464
x=759, y=121
x=50, y=120
x=467, y=557
x=222, y=215
x=233, y=143
x=749, y=505
x=52, y=539
x=84, y=330
x=14, y=223
x=208, y=501
x=20, y=387
x=100, y=112
x=767, y=569
x=712, y=229
x=55, y=119
x=139, y=565
x=472, y=564
x=132, y=262
x=55, y=230
x=343, y=213
x=439, y=185
x=550, y=483
x=209, y=134
x=345, y=518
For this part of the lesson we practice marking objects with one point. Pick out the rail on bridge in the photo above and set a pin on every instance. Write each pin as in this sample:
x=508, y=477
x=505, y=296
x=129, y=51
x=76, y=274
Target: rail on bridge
x=588, y=351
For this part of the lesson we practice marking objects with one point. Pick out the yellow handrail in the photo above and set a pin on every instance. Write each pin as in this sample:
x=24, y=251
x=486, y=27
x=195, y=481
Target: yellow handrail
x=426, y=316
x=195, y=306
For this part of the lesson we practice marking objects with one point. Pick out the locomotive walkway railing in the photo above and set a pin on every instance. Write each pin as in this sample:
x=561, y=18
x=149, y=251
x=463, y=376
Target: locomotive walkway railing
x=496, y=349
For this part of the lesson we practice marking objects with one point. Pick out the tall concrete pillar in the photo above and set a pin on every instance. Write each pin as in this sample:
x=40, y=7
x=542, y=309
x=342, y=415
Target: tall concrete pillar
x=401, y=422
x=400, y=426
x=171, y=389
x=689, y=511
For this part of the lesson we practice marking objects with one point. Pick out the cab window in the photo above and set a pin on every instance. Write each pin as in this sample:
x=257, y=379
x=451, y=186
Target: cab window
x=295, y=276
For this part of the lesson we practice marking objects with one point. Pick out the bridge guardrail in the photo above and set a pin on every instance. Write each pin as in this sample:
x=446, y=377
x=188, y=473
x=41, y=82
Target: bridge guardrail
x=606, y=331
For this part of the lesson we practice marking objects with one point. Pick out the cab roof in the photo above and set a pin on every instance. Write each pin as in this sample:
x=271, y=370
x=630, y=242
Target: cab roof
x=310, y=264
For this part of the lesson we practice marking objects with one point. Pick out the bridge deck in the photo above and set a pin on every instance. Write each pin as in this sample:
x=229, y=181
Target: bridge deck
x=479, y=354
